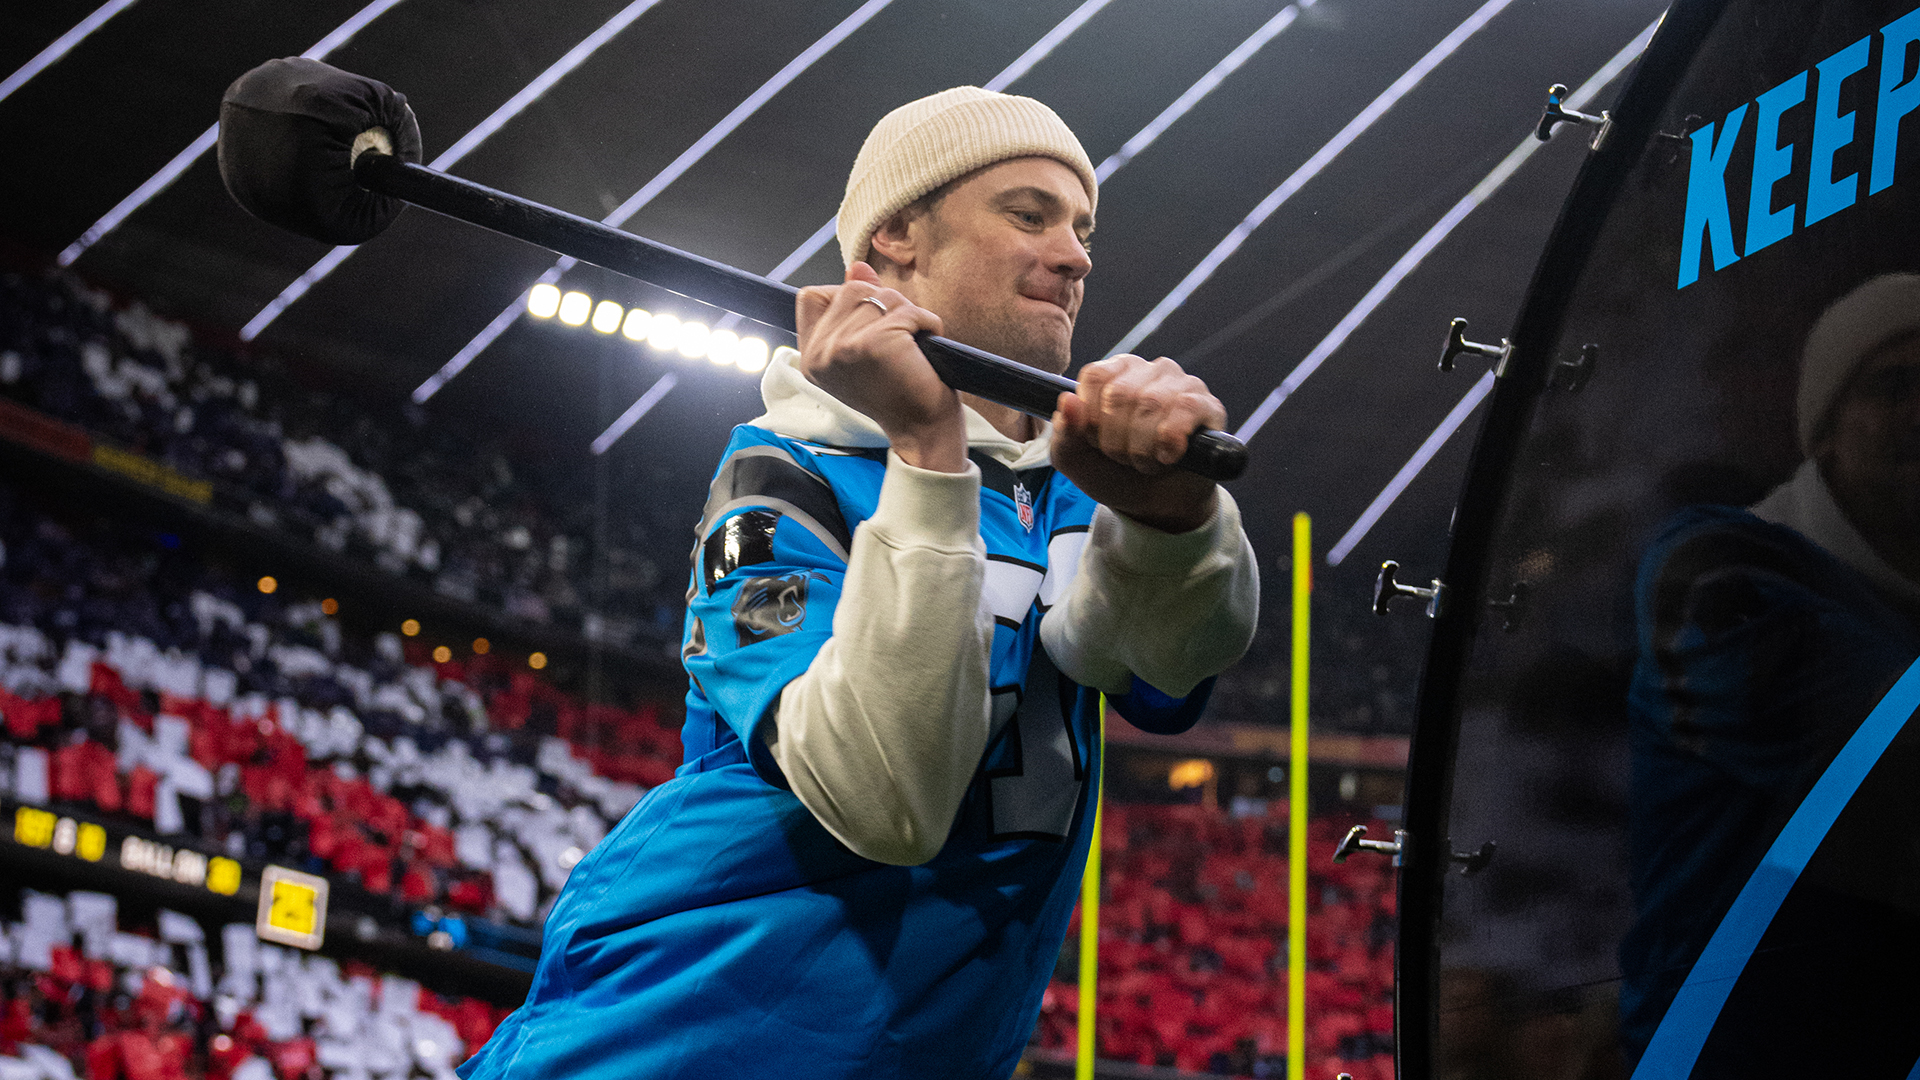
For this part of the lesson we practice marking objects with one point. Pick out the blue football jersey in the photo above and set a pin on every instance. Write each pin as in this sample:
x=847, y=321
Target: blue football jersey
x=721, y=930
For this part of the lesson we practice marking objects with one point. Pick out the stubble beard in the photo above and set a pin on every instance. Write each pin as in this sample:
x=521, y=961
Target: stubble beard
x=1009, y=332
x=1020, y=340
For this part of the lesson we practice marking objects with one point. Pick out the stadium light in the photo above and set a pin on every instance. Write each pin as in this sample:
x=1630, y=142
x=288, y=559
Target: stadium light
x=721, y=345
x=751, y=356
x=635, y=328
x=543, y=300
x=663, y=331
x=660, y=182
x=574, y=308
x=498, y=119
x=606, y=316
x=692, y=340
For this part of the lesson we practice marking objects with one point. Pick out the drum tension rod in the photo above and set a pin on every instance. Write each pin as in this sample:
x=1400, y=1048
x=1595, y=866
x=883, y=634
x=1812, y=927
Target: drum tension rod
x=1386, y=590
x=1472, y=862
x=1573, y=374
x=1355, y=840
x=1556, y=113
x=1457, y=344
x=1514, y=607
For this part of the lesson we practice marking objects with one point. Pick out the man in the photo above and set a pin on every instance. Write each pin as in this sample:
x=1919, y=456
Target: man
x=1766, y=637
x=904, y=605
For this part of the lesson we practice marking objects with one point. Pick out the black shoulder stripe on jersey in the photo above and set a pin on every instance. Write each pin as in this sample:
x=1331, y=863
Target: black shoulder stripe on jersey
x=1065, y=529
x=745, y=539
x=871, y=453
x=767, y=477
x=993, y=475
x=997, y=477
x=1035, y=480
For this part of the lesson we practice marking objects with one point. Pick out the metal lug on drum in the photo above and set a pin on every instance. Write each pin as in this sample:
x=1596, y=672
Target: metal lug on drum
x=1571, y=375
x=1514, y=607
x=1472, y=862
x=1676, y=145
x=1457, y=343
x=1356, y=841
x=1556, y=113
x=1386, y=589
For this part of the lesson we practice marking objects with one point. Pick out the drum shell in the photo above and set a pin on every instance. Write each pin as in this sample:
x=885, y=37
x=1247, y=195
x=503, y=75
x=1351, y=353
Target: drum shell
x=1525, y=737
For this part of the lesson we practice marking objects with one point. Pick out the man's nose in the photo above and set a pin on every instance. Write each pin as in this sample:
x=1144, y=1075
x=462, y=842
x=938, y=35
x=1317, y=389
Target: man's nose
x=1067, y=254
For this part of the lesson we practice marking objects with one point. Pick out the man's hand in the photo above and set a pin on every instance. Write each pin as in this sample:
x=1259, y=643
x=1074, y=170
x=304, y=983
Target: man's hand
x=866, y=356
x=1118, y=437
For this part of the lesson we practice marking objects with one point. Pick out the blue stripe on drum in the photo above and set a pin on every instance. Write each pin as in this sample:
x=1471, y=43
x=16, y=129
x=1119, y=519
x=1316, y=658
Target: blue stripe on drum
x=1683, y=1030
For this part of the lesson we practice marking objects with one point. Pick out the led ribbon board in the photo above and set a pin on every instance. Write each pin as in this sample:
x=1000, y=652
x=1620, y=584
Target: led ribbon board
x=90, y=842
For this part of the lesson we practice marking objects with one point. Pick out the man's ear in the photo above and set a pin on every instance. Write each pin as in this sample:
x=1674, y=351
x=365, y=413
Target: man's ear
x=895, y=243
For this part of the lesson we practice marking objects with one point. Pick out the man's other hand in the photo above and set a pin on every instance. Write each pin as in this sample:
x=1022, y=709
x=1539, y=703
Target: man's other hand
x=867, y=357
x=1119, y=436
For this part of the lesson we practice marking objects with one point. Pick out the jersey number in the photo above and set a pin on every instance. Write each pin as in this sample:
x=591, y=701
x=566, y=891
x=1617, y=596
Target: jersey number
x=1037, y=788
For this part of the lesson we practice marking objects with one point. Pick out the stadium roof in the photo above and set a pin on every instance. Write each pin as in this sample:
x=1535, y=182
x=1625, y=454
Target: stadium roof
x=1285, y=182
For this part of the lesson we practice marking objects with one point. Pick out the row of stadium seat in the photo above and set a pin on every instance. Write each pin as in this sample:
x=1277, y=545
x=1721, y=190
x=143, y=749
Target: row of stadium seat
x=420, y=501
x=1193, y=945
x=144, y=683
x=413, y=499
x=86, y=991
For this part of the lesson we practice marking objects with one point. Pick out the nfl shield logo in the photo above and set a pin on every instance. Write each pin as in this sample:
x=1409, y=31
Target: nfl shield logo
x=1023, y=505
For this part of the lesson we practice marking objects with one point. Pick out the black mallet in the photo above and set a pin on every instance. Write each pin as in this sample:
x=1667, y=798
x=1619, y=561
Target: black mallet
x=335, y=156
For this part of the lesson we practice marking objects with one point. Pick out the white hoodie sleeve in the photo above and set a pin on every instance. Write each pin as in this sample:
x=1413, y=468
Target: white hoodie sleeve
x=881, y=735
x=1171, y=608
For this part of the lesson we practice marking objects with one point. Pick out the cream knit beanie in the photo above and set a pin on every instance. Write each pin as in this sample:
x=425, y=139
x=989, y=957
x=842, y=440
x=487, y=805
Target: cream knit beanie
x=926, y=143
x=1857, y=324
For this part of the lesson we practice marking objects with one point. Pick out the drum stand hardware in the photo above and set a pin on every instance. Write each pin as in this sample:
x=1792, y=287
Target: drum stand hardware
x=1355, y=841
x=1457, y=343
x=1514, y=607
x=1556, y=113
x=1386, y=590
x=1573, y=374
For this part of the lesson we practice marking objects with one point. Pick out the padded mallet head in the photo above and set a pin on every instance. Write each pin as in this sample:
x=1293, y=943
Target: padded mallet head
x=289, y=131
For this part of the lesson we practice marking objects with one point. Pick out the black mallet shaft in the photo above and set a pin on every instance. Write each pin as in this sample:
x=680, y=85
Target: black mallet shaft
x=290, y=116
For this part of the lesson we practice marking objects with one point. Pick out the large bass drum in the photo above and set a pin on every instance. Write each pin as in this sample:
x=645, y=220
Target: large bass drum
x=1675, y=660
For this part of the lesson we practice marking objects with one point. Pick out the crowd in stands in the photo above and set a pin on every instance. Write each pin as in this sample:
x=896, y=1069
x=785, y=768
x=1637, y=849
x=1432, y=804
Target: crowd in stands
x=1193, y=947
x=149, y=684
x=476, y=523
x=86, y=991
x=416, y=499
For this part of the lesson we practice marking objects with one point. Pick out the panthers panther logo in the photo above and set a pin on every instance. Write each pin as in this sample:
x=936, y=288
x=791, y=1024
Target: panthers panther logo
x=767, y=607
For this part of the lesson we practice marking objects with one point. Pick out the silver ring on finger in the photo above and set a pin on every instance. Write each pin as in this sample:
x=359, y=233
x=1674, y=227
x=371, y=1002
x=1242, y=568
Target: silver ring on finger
x=875, y=301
